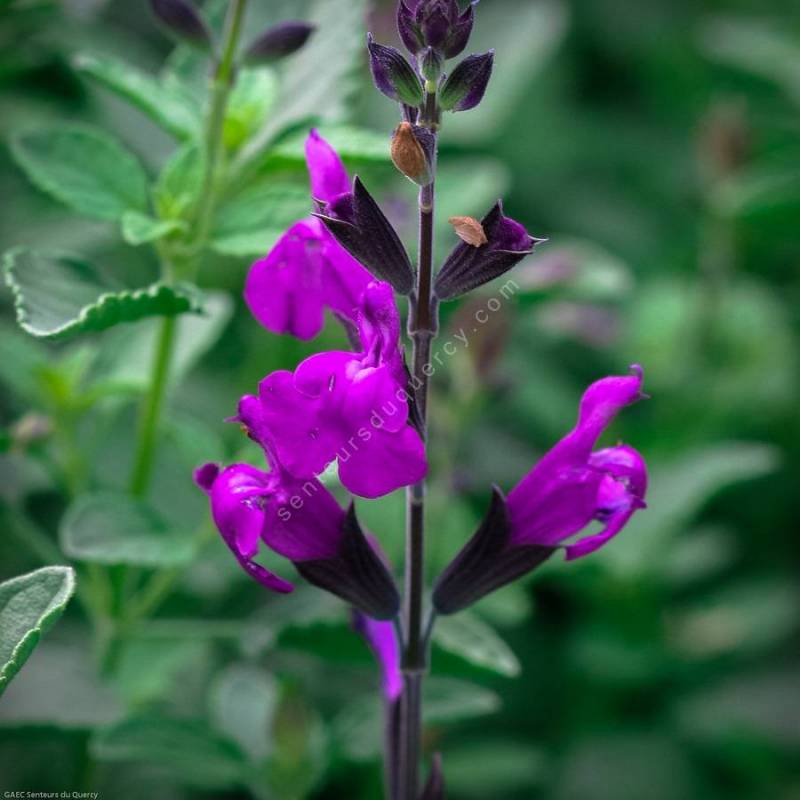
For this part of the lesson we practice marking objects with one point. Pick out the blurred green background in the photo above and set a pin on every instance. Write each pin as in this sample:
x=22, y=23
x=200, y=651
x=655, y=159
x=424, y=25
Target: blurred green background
x=657, y=146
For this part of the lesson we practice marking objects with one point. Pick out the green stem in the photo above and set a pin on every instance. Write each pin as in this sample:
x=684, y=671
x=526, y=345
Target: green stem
x=151, y=410
x=221, y=84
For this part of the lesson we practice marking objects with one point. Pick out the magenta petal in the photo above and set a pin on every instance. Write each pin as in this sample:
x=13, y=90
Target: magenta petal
x=306, y=524
x=325, y=374
x=380, y=462
x=563, y=506
x=343, y=278
x=375, y=399
x=284, y=290
x=328, y=175
x=305, y=441
x=382, y=640
x=235, y=507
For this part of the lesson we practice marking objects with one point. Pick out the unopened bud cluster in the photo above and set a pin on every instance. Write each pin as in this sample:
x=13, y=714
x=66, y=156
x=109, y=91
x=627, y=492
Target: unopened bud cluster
x=182, y=20
x=433, y=31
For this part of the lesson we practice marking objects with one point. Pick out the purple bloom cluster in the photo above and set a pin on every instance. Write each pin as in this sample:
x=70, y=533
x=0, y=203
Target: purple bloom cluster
x=350, y=407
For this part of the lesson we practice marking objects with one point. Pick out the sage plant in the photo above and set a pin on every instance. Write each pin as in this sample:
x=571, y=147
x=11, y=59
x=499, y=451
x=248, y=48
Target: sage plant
x=366, y=409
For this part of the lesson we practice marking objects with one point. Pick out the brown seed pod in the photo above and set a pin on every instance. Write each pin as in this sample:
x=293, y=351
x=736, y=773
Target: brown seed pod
x=469, y=230
x=408, y=155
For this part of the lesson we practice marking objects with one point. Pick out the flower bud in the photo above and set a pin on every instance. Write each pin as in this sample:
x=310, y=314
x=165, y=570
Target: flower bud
x=466, y=85
x=393, y=75
x=183, y=21
x=434, y=23
x=431, y=63
x=409, y=155
x=277, y=42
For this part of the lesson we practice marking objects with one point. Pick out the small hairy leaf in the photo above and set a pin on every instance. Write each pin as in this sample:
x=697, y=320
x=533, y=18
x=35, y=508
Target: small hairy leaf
x=57, y=295
x=166, y=105
x=468, y=637
x=180, y=182
x=250, y=222
x=29, y=605
x=140, y=228
x=115, y=529
x=84, y=168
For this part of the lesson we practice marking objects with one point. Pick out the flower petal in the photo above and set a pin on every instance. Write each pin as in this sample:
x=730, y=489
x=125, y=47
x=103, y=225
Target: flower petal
x=382, y=640
x=284, y=290
x=234, y=493
x=325, y=168
x=380, y=462
x=305, y=523
x=306, y=439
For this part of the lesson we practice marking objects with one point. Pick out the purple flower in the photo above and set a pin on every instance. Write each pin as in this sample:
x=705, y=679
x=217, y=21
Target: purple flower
x=300, y=520
x=250, y=506
x=382, y=640
x=307, y=271
x=350, y=406
x=571, y=486
x=568, y=489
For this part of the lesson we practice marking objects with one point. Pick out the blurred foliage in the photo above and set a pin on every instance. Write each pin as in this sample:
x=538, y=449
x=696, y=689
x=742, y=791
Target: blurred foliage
x=657, y=146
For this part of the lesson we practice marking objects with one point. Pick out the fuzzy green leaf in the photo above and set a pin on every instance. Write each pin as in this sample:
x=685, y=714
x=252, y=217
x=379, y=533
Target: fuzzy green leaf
x=115, y=529
x=180, y=182
x=250, y=222
x=140, y=228
x=29, y=605
x=468, y=637
x=86, y=169
x=57, y=295
x=166, y=105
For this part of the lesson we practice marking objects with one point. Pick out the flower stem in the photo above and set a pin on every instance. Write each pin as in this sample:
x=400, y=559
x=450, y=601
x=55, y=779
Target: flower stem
x=223, y=78
x=222, y=81
x=422, y=328
x=151, y=410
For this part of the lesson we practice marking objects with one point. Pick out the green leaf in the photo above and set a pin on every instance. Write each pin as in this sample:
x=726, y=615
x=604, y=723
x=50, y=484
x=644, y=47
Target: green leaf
x=186, y=749
x=76, y=700
x=350, y=142
x=470, y=638
x=29, y=605
x=250, y=101
x=251, y=221
x=126, y=354
x=319, y=78
x=116, y=529
x=86, y=169
x=180, y=182
x=758, y=191
x=166, y=105
x=243, y=703
x=57, y=295
x=138, y=228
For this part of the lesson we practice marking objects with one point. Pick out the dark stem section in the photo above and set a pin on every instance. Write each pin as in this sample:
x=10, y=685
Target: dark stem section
x=422, y=327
